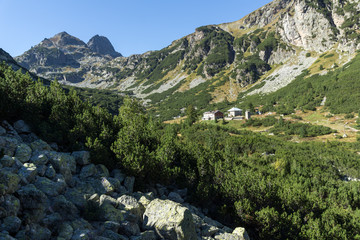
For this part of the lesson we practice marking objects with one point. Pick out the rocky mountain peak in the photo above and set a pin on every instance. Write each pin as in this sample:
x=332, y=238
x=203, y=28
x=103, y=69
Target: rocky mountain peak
x=64, y=39
x=103, y=46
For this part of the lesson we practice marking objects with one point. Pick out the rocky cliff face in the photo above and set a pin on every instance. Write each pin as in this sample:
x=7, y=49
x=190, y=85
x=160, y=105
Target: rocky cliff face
x=218, y=60
x=45, y=194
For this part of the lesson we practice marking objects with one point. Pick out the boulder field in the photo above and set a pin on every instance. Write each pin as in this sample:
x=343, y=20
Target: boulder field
x=46, y=194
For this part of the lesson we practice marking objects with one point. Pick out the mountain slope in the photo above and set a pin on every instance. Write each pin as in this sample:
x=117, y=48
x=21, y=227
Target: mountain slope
x=272, y=45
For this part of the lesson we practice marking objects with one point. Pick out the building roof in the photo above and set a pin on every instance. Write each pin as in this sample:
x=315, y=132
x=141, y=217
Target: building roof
x=234, y=109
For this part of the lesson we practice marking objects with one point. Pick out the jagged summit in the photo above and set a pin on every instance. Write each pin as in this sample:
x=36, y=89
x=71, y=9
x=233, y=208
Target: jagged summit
x=102, y=45
x=64, y=39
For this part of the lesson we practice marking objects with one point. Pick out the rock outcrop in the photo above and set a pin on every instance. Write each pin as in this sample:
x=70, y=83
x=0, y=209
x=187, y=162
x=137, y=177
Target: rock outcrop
x=46, y=195
x=103, y=46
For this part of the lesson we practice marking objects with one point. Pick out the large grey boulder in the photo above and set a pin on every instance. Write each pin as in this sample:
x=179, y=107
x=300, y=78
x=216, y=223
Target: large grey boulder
x=49, y=187
x=39, y=157
x=40, y=145
x=170, y=219
x=88, y=171
x=131, y=205
x=7, y=161
x=9, y=206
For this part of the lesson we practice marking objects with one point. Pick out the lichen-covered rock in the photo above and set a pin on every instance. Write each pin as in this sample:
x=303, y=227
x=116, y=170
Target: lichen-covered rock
x=6, y=236
x=113, y=235
x=76, y=197
x=64, y=164
x=9, y=206
x=148, y=235
x=65, y=208
x=105, y=199
x=39, y=158
x=228, y=236
x=38, y=232
x=65, y=231
x=110, y=213
x=102, y=171
x=9, y=182
x=23, y=153
x=81, y=157
x=8, y=145
x=40, y=145
x=7, y=161
x=241, y=232
x=49, y=187
x=21, y=127
x=116, y=173
x=172, y=220
x=31, y=197
x=88, y=171
x=11, y=224
x=130, y=204
x=82, y=234
x=113, y=226
x=50, y=172
x=129, y=229
x=28, y=172
x=175, y=197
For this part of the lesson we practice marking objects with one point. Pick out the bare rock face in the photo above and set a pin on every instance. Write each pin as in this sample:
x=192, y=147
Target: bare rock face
x=103, y=46
x=305, y=27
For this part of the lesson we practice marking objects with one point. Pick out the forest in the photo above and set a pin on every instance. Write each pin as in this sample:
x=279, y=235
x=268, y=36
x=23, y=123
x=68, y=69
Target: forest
x=276, y=189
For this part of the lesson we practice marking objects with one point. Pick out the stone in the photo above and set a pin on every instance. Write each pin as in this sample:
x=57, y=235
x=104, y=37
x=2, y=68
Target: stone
x=50, y=172
x=64, y=164
x=113, y=235
x=102, y=171
x=39, y=157
x=213, y=222
x=116, y=173
x=171, y=220
x=21, y=127
x=76, y=196
x=28, y=172
x=6, y=236
x=9, y=145
x=82, y=234
x=110, y=213
x=144, y=200
x=10, y=206
x=208, y=230
x=11, y=132
x=130, y=204
x=81, y=157
x=88, y=171
x=38, y=232
x=7, y=161
x=31, y=197
x=175, y=197
x=50, y=188
x=148, y=235
x=65, y=208
x=105, y=199
x=11, y=224
x=9, y=182
x=2, y=131
x=65, y=231
x=41, y=170
x=52, y=220
x=129, y=184
x=129, y=229
x=23, y=153
x=228, y=236
x=40, y=145
x=113, y=226
x=241, y=232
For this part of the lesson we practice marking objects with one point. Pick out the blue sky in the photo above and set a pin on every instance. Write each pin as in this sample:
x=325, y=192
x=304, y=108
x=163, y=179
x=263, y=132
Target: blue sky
x=133, y=26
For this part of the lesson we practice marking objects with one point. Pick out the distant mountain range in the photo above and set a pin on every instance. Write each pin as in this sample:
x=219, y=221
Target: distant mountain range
x=271, y=46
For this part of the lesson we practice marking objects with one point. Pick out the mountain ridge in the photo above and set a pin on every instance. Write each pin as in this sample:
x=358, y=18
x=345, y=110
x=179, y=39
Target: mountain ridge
x=222, y=61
